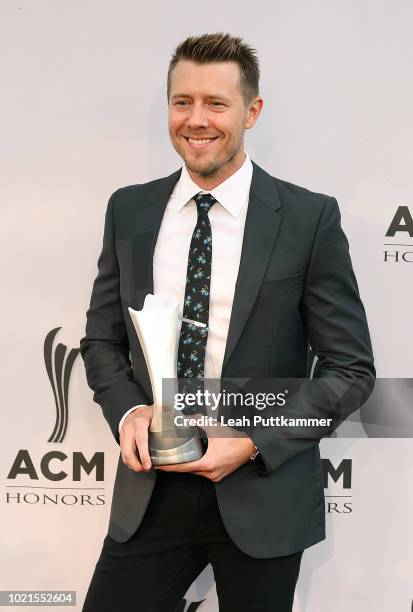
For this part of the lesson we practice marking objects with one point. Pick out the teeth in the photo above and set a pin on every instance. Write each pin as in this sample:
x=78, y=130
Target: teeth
x=193, y=141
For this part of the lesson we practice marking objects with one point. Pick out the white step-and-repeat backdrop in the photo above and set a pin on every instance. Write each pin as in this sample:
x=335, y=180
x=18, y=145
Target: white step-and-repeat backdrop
x=83, y=112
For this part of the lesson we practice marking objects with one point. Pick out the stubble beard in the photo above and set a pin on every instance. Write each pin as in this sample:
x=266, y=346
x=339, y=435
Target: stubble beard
x=213, y=166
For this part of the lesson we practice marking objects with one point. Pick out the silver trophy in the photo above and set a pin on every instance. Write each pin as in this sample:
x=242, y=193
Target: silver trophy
x=157, y=325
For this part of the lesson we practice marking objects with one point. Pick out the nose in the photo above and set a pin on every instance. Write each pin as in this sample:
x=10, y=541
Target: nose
x=197, y=117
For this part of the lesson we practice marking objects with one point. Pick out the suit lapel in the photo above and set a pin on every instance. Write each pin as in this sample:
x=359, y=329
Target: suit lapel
x=261, y=229
x=149, y=224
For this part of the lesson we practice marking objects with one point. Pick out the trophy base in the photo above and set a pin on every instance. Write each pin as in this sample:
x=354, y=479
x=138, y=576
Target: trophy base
x=178, y=450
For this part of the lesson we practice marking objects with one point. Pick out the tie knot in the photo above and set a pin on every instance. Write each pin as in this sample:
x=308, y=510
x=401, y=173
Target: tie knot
x=204, y=202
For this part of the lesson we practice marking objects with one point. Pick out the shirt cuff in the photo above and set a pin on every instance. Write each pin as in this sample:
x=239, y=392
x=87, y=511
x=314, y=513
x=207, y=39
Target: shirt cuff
x=126, y=414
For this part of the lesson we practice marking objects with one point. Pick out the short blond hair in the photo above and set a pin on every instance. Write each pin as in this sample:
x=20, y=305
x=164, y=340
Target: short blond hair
x=220, y=47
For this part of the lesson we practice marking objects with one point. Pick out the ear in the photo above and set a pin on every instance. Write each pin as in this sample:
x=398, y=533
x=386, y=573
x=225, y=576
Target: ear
x=254, y=110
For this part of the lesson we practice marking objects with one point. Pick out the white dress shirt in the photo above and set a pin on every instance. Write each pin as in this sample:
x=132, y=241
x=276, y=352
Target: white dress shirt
x=170, y=261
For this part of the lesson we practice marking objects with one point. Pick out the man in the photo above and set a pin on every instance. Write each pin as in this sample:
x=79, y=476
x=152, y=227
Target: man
x=278, y=277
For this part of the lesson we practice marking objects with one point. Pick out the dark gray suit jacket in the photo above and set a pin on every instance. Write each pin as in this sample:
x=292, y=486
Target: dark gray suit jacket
x=295, y=287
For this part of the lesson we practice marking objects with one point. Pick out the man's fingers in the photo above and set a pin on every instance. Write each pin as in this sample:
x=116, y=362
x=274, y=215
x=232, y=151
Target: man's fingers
x=134, y=439
x=128, y=448
x=176, y=467
x=142, y=444
x=190, y=466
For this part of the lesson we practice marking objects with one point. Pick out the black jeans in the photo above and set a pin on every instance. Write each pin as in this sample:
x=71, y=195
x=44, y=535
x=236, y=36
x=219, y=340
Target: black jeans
x=180, y=534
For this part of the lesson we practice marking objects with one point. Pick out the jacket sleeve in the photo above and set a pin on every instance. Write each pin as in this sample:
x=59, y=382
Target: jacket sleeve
x=338, y=333
x=105, y=347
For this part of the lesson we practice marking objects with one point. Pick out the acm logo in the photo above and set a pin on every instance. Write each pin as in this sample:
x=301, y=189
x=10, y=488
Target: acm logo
x=338, y=504
x=402, y=222
x=59, y=362
x=342, y=474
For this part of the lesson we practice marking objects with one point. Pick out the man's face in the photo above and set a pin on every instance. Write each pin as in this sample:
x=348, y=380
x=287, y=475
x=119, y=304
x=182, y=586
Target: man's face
x=208, y=117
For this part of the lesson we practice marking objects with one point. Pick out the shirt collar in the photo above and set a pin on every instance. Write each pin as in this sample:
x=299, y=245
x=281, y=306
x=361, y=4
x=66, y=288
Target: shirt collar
x=232, y=193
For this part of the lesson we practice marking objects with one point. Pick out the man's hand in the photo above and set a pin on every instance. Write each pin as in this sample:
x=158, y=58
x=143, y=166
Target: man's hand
x=224, y=456
x=134, y=433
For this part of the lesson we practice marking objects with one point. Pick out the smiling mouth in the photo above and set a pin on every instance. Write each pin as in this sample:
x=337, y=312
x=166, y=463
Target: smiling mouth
x=199, y=141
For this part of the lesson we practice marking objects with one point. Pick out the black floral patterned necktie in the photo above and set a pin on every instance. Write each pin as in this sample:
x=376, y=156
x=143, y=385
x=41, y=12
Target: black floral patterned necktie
x=194, y=329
